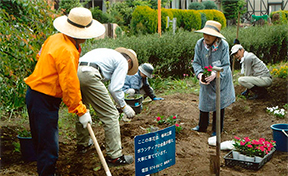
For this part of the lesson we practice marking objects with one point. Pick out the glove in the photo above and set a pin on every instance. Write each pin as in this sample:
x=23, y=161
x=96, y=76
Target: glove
x=85, y=119
x=130, y=92
x=211, y=77
x=128, y=111
x=157, y=98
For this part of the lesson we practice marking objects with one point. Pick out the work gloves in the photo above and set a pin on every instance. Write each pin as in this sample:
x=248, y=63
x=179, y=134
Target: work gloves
x=85, y=119
x=128, y=111
x=130, y=92
x=157, y=98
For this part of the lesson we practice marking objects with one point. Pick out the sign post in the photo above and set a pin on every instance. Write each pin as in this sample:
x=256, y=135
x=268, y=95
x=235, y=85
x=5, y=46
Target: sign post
x=154, y=151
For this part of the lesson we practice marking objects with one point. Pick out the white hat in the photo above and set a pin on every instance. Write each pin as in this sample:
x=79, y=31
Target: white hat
x=132, y=54
x=79, y=24
x=212, y=28
x=236, y=48
x=147, y=69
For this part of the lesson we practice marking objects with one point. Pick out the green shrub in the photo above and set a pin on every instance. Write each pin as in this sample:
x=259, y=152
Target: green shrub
x=66, y=6
x=100, y=16
x=203, y=19
x=196, y=6
x=191, y=19
x=279, y=17
x=231, y=8
x=144, y=20
x=210, y=5
x=215, y=15
x=24, y=26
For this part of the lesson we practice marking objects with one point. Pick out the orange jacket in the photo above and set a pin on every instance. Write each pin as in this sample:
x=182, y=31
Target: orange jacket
x=55, y=73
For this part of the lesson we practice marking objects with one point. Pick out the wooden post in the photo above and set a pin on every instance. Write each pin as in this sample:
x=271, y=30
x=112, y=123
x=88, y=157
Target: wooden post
x=218, y=121
x=238, y=24
x=159, y=17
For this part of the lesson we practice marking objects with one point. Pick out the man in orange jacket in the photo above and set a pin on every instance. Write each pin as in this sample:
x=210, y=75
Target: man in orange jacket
x=54, y=79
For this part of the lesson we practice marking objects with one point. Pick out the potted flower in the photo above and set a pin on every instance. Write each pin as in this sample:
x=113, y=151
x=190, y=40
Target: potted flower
x=207, y=72
x=256, y=149
x=26, y=146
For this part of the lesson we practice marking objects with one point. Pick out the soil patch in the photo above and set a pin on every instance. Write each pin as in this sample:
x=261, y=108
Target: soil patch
x=242, y=118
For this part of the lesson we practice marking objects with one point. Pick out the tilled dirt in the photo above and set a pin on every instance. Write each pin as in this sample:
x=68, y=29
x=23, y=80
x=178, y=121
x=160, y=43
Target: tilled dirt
x=242, y=118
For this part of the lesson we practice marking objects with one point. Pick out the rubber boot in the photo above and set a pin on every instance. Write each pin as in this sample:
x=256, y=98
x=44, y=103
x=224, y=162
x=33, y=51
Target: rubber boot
x=214, y=122
x=203, y=122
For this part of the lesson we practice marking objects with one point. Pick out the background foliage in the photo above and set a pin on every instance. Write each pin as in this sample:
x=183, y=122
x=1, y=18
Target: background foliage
x=26, y=24
x=24, y=27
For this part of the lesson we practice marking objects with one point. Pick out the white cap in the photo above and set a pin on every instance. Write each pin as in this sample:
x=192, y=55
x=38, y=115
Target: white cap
x=236, y=48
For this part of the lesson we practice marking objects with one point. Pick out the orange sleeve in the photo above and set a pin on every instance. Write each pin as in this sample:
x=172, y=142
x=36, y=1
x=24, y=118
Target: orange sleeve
x=68, y=80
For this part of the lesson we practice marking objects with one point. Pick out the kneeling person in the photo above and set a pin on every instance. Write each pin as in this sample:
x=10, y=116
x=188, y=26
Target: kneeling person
x=257, y=75
x=139, y=84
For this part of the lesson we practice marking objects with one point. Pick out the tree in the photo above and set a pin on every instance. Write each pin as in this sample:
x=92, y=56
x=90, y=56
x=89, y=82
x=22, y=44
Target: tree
x=232, y=7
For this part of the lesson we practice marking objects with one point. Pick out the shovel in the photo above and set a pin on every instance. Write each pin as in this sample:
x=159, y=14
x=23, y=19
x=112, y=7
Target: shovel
x=100, y=154
x=215, y=160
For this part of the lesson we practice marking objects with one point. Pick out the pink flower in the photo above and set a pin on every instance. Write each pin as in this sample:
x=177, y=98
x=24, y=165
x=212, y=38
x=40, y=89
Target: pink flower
x=158, y=118
x=174, y=117
x=177, y=125
x=210, y=66
x=206, y=67
x=242, y=143
x=235, y=137
x=209, y=70
x=246, y=139
x=250, y=146
x=262, y=148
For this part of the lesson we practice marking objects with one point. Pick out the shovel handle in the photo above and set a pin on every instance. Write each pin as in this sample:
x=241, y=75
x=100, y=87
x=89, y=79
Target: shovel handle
x=100, y=154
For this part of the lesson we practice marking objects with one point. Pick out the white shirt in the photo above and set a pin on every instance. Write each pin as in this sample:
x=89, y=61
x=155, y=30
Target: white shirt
x=114, y=67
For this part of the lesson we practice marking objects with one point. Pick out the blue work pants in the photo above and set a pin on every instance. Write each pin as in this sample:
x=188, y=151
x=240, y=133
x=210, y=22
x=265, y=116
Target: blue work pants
x=43, y=118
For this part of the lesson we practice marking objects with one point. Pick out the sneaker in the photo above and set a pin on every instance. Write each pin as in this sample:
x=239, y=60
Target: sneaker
x=122, y=160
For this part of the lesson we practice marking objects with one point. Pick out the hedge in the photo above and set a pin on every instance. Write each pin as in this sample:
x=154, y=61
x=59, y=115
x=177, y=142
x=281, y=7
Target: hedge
x=283, y=17
x=144, y=19
x=172, y=54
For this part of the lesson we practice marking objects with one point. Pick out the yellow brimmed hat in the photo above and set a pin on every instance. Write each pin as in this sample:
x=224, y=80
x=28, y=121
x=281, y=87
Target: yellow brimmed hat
x=79, y=24
x=212, y=28
x=132, y=54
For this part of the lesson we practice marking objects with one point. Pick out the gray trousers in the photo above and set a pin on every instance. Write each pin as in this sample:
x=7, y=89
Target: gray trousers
x=96, y=94
x=251, y=81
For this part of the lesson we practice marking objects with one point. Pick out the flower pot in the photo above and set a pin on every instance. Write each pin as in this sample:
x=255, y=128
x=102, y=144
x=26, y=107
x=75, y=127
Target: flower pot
x=257, y=159
x=27, y=149
x=241, y=157
x=249, y=158
x=235, y=154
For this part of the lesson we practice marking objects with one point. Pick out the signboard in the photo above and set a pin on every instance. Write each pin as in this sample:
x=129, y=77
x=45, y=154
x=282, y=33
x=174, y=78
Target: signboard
x=154, y=151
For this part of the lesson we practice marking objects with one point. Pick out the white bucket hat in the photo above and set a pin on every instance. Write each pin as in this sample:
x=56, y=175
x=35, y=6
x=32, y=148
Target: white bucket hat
x=212, y=28
x=79, y=24
x=132, y=54
x=147, y=69
x=236, y=48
